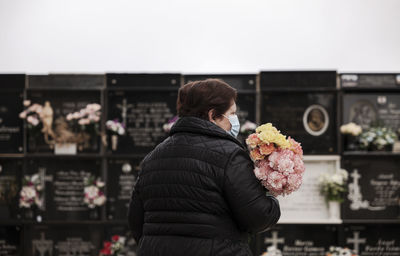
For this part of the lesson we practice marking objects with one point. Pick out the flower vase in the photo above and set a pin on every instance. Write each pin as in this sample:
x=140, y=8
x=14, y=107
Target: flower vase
x=350, y=142
x=94, y=213
x=114, y=142
x=334, y=210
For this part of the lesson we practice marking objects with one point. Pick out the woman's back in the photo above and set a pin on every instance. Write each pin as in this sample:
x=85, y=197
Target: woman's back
x=197, y=195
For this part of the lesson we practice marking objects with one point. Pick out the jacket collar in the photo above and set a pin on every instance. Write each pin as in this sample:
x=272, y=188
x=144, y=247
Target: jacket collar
x=197, y=125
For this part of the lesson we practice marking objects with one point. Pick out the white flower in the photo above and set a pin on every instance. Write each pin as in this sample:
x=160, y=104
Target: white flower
x=99, y=200
x=337, y=179
x=24, y=204
x=70, y=117
x=27, y=103
x=121, y=130
x=99, y=184
x=91, y=191
x=22, y=115
x=35, y=178
x=351, y=128
x=32, y=120
x=28, y=192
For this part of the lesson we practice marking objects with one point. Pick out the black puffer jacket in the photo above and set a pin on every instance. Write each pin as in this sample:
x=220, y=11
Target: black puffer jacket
x=197, y=195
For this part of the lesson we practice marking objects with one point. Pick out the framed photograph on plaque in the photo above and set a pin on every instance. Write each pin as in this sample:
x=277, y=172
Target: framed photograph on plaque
x=373, y=189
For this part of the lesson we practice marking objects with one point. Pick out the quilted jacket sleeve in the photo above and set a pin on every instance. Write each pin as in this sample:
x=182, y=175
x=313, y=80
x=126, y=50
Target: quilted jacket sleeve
x=136, y=215
x=254, y=210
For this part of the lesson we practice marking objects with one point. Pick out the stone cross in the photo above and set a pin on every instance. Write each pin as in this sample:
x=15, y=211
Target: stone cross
x=274, y=240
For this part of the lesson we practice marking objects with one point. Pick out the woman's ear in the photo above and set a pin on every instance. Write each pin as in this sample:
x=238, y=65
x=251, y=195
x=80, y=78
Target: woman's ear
x=211, y=116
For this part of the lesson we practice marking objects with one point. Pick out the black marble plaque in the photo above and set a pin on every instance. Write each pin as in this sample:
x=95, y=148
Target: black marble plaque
x=373, y=240
x=299, y=80
x=371, y=109
x=308, y=117
x=296, y=240
x=74, y=82
x=61, y=240
x=143, y=81
x=10, y=171
x=373, y=187
x=10, y=240
x=121, y=177
x=375, y=81
x=62, y=102
x=63, y=182
x=130, y=245
x=11, y=102
x=144, y=113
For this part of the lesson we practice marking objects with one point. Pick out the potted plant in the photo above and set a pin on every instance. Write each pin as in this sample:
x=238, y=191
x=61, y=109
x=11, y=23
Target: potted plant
x=333, y=187
x=350, y=132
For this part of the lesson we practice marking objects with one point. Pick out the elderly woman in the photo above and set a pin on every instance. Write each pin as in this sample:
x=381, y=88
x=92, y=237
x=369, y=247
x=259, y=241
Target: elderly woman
x=196, y=193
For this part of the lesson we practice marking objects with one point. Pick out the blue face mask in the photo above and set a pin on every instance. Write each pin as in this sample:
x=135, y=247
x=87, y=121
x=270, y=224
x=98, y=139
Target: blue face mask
x=234, y=120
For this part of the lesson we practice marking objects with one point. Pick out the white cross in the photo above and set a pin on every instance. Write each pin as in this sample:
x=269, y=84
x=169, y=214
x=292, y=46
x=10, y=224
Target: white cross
x=274, y=240
x=356, y=240
x=124, y=108
x=42, y=246
x=355, y=176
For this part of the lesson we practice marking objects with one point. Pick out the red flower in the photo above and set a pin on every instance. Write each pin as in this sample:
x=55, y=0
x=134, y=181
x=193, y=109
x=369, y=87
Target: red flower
x=107, y=245
x=106, y=251
x=115, y=238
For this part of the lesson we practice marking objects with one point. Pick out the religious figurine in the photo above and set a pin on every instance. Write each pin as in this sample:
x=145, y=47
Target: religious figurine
x=47, y=120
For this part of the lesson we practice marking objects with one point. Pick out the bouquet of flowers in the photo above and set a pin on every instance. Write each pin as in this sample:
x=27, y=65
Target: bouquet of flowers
x=114, y=247
x=339, y=251
x=278, y=161
x=94, y=196
x=30, y=194
x=115, y=127
x=333, y=186
x=87, y=118
x=351, y=129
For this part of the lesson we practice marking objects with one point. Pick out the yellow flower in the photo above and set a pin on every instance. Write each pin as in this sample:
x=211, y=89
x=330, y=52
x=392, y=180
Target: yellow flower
x=269, y=134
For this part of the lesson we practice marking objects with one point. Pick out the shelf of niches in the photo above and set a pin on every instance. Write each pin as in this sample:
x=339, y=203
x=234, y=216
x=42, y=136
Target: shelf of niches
x=65, y=156
x=372, y=221
x=371, y=153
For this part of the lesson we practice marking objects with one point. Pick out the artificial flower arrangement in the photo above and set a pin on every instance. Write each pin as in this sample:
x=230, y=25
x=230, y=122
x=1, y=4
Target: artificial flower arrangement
x=32, y=114
x=247, y=128
x=113, y=247
x=351, y=129
x=278, y=161
x=31, y=192
x=377, y=138
x=333, y=187
x=94, y=195
x=167, y=126
x=116, y=129
x=87, y=118
x=339, y=251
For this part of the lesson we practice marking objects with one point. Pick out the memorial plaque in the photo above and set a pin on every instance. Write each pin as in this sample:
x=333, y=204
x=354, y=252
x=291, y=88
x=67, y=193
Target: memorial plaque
x=11, y=102
x=297, y=80
x=121, y=178
x=246, y=94
x=373, y=187
x=307, y=204
x=130, y=245
x=10, y=240
x=62, y=102
x=10, y=170
x=58, y=240
x=373, y=240
x=295, y=240
x=308, y=117
x=374, y=81
x=63, y=182
x=371, y=109
x=143, y=103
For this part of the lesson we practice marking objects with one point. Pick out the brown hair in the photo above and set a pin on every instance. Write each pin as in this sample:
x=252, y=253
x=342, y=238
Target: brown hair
x=199, y=97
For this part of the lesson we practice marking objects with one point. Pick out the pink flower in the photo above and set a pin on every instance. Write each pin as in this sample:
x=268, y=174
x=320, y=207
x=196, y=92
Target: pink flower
x=273, y=159
x=267, y=149
x=295, y=147
x=256, y=155
x=294, y=182
x=262, y=170
x=299, y=167
x=253, y=140
x=276, y=180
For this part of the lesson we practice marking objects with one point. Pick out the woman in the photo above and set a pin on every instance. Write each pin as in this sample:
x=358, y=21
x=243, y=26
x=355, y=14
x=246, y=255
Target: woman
x=196, y=193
